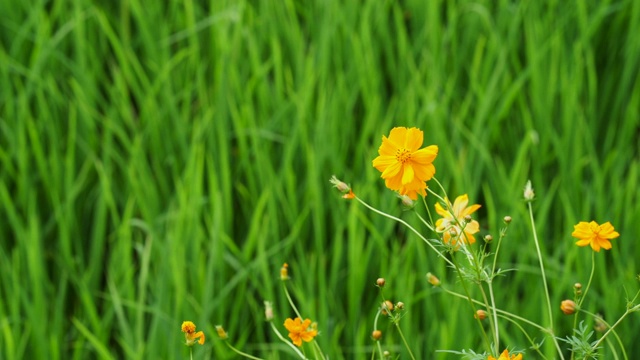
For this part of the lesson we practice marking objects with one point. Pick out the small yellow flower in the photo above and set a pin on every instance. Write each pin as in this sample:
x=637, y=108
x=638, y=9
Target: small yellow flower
x=404, y=166
x=598, y=236
x=505, y=356
x=455, y=226
x=300, y=330
x=190, y=334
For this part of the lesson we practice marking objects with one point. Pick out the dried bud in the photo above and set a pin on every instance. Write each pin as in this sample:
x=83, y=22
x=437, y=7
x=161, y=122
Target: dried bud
x=433, y=280
x=507, y=219
x=268, y=310
x=341, y=186
x=600, y=326
x=221, y=333
x=528, y=192
x=380, y=282
x=376, y=335
x=284, y=272
x=568, y=307
x=480, y=314
x=406, y=201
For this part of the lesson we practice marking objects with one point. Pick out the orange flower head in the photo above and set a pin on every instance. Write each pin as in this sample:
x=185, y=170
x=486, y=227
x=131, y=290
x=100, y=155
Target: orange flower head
x=598, y=236
x=505, y=356
x=190, y=334
x=404, y=166
x=454, y=224
x=300, y=330
x=568, y=307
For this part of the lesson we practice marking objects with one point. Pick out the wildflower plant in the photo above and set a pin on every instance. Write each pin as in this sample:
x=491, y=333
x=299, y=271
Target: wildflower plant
x=408, y=169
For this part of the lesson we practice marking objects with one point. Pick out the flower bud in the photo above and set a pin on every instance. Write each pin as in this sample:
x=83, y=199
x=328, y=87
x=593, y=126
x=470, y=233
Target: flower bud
x=387, y=307
x=488, y=238
x=221, y=333
x=507, y=219
x=568, y=307
x=284, y=272
x=406, y=201
x=341, y=186
x=467, y=218
x=376, y=335
x=577, y=287
x=380, y=282
x=433, y=280
x=400, y=305
x=528, y=191
x=600, y=326
x=480, y=315
x=268, y=310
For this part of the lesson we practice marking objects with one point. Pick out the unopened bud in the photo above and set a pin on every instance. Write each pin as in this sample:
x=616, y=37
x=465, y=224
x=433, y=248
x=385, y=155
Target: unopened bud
x=406, y=201
x=380, y=282
x=433, y=280
x=467, y=218
x=221, y=333
x=528, y=192
x=568, y=307
x=578, y=288
x=400, y=305
x=488, y=238
x=600, y=326
x=376, y=335
x=387, y=307
x=268, y=310
x=341, y=186
x=284, y=272
x=480, y=315
x=507, y=219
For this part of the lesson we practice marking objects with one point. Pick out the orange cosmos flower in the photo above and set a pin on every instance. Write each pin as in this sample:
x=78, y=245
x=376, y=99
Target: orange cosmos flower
x=190, y=334
x=404, y=166
x=598, y=236
x=300, y=330
x=454, y=226
x=505, y=356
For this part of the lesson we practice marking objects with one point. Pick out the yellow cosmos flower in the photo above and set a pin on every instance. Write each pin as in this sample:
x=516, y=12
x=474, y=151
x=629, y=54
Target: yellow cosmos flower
x=300, y=330
x=598, y=236
x=190, y=334
x=404, y=166
x=454, y=226
x=505, y=356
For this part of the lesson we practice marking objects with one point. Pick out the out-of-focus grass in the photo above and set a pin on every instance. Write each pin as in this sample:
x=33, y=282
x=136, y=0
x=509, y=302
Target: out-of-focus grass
x=160, y=161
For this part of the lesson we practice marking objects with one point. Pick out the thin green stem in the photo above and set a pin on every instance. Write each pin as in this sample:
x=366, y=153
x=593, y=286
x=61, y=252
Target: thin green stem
x=593, y=267
x=408, y=226
x=544, y=278
x=318, y=350
x=534, y=346
x=614, y=333
x=293, y=305
x=241, y=353
x=471, y=302
x=633, y=309
x=191, y=353
x=375, y=327
x=397, y=323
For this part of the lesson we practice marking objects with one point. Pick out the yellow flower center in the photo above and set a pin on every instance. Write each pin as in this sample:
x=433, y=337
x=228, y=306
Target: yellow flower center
x=403, y=155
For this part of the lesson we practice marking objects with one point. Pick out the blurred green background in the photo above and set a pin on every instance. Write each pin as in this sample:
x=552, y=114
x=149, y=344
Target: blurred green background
x=159, y=161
